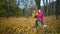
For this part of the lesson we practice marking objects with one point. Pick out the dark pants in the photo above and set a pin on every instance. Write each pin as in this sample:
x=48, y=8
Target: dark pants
x=36, y=23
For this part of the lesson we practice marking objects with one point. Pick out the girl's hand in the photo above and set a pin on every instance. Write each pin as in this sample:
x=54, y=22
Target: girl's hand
x=35, y=16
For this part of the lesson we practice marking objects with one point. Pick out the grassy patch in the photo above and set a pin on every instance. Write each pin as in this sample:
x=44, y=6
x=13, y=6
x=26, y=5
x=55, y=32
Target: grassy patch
x=23, y=25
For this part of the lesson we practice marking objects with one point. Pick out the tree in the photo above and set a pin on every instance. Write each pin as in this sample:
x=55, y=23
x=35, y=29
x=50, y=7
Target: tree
x=57, y=8
x=17, y=8
x=52, y=7
x=47, y=7
x=38, y=4
x=8, y=8
x=44, y=7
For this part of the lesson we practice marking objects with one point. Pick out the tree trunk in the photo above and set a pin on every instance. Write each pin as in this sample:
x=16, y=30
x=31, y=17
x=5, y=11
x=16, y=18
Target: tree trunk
x=17, y=9
x=49, y=8
x=38, y=4
x=57, y=1
x=44, y=8
x=8, y=9
x=52, y=7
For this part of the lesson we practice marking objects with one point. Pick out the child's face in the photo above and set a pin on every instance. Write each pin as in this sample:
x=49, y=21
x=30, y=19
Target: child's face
x=39, y=11
x=34, y=11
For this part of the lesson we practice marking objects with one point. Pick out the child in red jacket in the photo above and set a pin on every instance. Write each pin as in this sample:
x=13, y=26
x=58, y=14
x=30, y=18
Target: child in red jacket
x=40, y=18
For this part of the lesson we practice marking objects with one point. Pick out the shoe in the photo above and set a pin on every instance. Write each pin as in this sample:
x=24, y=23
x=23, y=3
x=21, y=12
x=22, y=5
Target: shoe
x=34, y=28
x=44, y=26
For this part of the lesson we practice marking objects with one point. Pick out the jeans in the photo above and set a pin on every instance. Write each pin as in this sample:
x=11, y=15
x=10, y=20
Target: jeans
x=36, y=23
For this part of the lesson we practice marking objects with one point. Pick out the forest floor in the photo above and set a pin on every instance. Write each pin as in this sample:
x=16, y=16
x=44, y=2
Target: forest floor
x=22, y=25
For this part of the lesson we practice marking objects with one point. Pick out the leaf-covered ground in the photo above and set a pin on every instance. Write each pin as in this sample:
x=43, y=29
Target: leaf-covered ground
x=23, y=25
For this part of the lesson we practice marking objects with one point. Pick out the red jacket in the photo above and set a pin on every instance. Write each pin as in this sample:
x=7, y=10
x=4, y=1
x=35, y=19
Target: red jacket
x=40, y=16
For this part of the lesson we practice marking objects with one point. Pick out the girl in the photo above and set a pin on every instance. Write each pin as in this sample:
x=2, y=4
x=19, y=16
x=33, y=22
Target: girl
x=34, y=15
x=39, y=19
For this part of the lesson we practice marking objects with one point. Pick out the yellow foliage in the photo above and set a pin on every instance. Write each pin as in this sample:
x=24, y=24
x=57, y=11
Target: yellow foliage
x=23, y=25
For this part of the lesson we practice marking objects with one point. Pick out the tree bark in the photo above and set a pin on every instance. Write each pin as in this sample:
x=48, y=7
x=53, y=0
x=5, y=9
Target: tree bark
x=38, y=4
x=57, y=1
x=17, y=9
x=8, y=9
x=44, y=8
x=49, y=8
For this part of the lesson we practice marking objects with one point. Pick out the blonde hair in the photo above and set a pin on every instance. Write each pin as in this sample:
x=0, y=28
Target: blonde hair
x=35, y=12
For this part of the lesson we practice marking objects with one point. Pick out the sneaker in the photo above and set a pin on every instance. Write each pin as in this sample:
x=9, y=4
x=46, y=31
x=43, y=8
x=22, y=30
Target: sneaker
x=44, y=25
x=34, y=28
